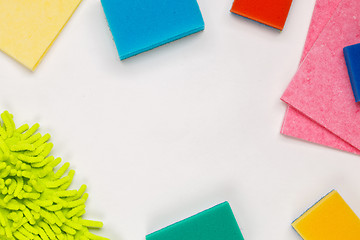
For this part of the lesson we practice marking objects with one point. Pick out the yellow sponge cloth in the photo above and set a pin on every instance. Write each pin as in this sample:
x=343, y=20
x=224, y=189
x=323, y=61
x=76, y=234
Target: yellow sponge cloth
x=28, y=28
x=329, y=219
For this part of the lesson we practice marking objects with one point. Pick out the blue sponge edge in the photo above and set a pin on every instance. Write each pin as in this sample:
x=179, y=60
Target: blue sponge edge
x=177, y=37
x=351, y=72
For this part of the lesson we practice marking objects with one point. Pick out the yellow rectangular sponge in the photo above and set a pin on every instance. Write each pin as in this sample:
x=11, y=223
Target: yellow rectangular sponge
x=29, y=27
x=329, y=219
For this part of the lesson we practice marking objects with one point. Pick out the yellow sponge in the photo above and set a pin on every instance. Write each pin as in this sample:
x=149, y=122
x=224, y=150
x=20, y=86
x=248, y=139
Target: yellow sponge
x=329, y=219
x=28, y=28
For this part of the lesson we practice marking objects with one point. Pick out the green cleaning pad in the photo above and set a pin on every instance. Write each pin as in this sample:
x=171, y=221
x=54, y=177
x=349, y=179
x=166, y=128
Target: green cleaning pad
x=35, y=202
x=216, y=223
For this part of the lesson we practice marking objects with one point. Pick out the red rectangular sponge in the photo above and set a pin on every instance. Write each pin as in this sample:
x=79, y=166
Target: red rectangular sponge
x=269, y=12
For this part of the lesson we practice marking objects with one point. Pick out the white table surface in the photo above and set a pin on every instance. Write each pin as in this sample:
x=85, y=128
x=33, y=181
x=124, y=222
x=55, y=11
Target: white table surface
x=168, y=133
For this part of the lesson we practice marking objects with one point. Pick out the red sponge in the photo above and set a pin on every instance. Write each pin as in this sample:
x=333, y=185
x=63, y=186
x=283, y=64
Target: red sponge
x=269, y=12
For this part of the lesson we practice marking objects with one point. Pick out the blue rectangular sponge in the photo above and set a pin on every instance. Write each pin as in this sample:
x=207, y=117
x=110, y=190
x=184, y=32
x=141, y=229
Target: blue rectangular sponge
x=352, y=58
x=217, y=223
x=141, y=25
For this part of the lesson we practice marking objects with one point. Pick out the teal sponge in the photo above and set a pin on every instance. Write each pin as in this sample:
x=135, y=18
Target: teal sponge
x=35, y=202
x=217, y=223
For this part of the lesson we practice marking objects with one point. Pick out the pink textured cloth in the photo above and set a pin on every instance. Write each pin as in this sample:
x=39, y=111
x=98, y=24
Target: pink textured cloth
x=323, y=11
x=297, y=124
x=300, y=126
x=321, y=88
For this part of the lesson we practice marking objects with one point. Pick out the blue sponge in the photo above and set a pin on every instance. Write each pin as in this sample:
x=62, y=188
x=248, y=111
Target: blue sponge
x=352, y=58
x=141, y=25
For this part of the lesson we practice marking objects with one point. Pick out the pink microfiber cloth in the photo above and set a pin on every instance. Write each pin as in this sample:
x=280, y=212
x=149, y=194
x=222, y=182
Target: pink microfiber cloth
x=297, y=124
x=324, y=9
x=321, y=89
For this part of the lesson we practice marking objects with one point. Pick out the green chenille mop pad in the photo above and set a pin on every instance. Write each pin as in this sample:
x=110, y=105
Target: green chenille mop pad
x=216, y=223
x=35, y=202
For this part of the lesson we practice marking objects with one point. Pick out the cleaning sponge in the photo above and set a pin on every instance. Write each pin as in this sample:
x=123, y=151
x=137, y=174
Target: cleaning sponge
x=329, y=219
x=352, y=57
x=35, y=202
x=217, y=223
x=269, y=12
x=141, y=25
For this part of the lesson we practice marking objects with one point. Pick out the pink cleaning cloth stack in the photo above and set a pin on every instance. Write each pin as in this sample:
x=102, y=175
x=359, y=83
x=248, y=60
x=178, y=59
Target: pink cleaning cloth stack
x=321, y=105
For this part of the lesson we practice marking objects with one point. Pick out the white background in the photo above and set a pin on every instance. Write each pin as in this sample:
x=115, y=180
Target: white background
x=168, y=133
